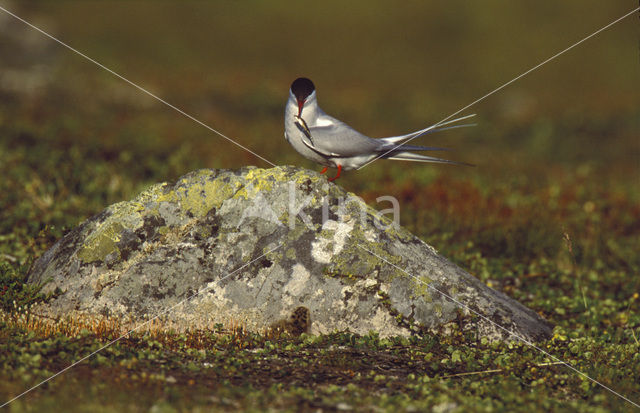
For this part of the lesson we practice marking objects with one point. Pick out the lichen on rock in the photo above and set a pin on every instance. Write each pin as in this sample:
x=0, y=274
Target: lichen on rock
x=252, y=245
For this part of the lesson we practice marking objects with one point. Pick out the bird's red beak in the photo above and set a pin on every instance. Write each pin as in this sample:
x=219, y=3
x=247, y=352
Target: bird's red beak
x=300, y=105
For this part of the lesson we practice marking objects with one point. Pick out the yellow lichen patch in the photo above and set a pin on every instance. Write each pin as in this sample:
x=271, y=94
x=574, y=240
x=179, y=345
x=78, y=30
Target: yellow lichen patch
x=148, y=195
x=291, y=253
x=421, y=287
x=199, y=198
x=103, y=239
x=263, y=179
x=199, y=192
x=101, y=243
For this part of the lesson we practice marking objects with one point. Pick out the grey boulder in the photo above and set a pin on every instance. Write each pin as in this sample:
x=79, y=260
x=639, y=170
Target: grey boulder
x=248, y=247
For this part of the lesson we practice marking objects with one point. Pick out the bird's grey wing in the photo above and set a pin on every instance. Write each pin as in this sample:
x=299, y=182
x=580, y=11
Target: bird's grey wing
x=337, y=139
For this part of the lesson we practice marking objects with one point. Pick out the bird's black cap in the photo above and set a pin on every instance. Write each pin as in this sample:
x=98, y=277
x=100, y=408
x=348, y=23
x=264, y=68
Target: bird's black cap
x=302, y=88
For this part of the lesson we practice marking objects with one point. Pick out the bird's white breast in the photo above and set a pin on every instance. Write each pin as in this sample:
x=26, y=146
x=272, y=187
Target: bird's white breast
x=324, y=121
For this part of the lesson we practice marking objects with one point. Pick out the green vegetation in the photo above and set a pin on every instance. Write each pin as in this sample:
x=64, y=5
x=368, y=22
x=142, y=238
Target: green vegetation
x=551, y=215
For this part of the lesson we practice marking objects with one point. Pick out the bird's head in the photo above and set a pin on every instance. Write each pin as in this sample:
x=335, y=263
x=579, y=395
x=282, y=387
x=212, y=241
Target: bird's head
x=302, y=88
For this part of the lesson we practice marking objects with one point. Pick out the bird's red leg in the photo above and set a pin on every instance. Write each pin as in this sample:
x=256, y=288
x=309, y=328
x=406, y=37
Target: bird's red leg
x=337, y=175
x=324, y=169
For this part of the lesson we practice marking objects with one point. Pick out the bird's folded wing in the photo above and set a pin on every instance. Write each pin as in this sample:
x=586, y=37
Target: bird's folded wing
x=338, y=139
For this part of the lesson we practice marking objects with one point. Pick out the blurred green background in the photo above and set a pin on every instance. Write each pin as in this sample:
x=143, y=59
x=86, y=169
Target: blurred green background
x=550, y=215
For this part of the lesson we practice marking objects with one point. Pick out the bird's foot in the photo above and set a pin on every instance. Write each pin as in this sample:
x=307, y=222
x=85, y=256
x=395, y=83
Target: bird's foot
x=324, y=170
x=337, y=175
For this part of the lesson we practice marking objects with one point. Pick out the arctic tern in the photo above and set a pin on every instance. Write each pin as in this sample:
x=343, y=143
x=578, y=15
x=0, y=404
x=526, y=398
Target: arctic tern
x=332, y=143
